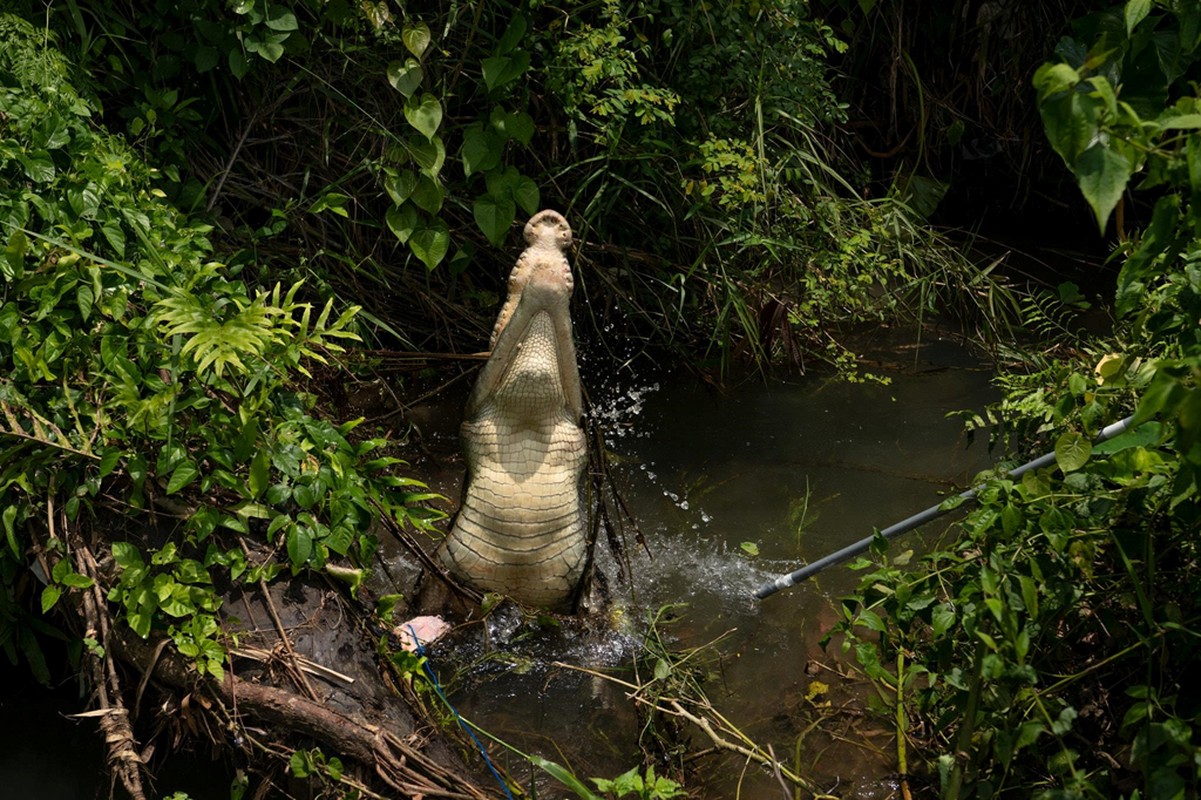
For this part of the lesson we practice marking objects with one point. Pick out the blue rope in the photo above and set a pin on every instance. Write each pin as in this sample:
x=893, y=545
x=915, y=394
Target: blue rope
x=462, y=722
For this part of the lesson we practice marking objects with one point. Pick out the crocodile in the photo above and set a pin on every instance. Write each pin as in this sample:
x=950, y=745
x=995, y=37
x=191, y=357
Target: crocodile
x=520, y=530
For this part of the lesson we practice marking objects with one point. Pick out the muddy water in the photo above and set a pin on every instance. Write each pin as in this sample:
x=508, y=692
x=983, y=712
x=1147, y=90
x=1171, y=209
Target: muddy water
x=731, y=489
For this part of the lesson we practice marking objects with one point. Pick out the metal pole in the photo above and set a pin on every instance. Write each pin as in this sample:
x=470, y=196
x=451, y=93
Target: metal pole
x=908, y=524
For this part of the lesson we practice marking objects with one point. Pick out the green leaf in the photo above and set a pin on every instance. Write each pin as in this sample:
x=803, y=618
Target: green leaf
x=500, y=71
x=750, y=548
x=300, y=545
x=941, y=619
x=430, y=155
x=115, y=235
x=527, y=195
x=126, y=555
x=400, y=187
x=564, y=776
x=39, y=166
x=520, y=127
x=1072, y=451
x=181, y=476
x=331, y=201
x=416, y=38
x=481, y=151
x=1102, y=174
x=238, y=64
x=50, y=596
x=424, y=114
x=402, y=221
x=108, y=461
x=279, y=18
x=662, y=669
x=1135, y=12
x=494, y=215
x=512, y=35
x=10, y=517
x=260, y=473
x=428, y=195
x=405, y=77
x=431, y=243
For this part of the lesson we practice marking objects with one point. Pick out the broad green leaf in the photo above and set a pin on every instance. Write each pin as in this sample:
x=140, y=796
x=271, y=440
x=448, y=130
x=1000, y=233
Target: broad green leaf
x=941, y=619
x=416, y=38
x=1134, y=13
x=1072, y=451
x=400, y=187
x=126, y=555
x=428, y=195
x=481, y=151
x=424, y=114
x=238, y=64
x=279, y=18
x=39, y=166
x=50, y=596
x=1071, y=121
x=494, y=215
x=405, y=77
x=512, y=35
x=402, y=221
x=1051, y=79
x=431, y=243
x=527, y=195
x=300, y=545
x=520, y=127
x=85, y=299
x=500, y=71
x=181, y=476
x=430, y=155
x=1181, y=122
x=1102, y=174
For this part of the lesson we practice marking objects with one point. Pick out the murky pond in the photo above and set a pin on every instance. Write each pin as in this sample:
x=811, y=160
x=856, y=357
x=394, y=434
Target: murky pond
x=730, y=489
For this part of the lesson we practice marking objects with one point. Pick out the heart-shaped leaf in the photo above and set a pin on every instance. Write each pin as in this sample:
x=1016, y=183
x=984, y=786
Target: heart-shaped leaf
x=1072, y=451
x=428, y=195
x=416, y=38
x=431, y=243
x=527, y=196
x=406, y=77
x=400, y=187
x=430, y=156
x=494, y=215
x=424, y=114
x=280, y=18
x=402, y=221
x=482, y=150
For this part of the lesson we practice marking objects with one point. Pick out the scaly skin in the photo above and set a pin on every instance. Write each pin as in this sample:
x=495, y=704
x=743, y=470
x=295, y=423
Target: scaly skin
x=520, y=528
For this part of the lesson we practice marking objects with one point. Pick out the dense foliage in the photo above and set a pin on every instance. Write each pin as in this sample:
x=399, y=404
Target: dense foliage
x=148, y=392
x=1051, y=651
x=397, y=149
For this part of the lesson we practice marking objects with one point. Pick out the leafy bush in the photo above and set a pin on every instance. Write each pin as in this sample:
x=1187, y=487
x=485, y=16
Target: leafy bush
x=1049, y=650
x=140, y=374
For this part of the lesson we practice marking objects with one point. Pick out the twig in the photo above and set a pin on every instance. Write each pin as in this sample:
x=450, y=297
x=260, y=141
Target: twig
x=286, y=641
x=309, y=666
